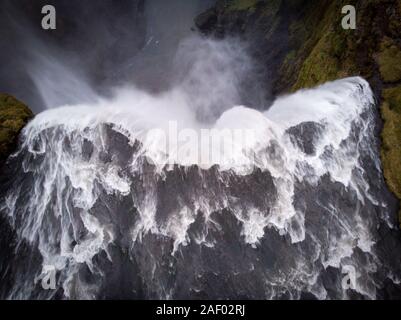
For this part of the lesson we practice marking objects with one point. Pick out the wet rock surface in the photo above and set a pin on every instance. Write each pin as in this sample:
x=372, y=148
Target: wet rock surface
x=305, y=136
x=194, y=253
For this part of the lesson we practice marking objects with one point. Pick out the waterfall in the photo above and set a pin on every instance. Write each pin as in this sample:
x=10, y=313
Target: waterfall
x=94, y=193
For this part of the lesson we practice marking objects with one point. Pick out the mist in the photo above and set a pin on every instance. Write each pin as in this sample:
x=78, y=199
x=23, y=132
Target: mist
x=138, y=72
x=97, y=46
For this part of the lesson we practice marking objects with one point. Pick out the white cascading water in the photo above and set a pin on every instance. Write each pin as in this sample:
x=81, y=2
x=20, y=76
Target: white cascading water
x=301, y=197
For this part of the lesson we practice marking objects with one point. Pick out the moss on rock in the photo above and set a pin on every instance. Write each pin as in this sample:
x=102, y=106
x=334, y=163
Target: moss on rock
x=393, y=97
x=391, y=137
x=336, y=52
x=14, y=115
x=321, y=66
x=389, y=59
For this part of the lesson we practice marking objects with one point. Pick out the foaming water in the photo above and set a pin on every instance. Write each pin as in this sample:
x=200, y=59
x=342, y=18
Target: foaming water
x=96, y=195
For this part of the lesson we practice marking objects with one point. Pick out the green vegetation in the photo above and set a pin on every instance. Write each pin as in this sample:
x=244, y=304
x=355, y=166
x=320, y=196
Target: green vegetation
x=321, y=65
x=389, y=59
x=391, y=136
x=393, y=98
x=318, y=55
x=330, y=52
x=13, y=117
x=321, y=50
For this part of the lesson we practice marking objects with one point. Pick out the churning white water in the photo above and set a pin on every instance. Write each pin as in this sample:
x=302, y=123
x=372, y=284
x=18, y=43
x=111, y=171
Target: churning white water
x=169, y=195
x=331, y=110
x=68, y=180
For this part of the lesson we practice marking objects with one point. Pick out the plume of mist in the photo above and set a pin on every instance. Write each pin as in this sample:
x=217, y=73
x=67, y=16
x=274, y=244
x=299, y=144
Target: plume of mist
x=205, y=80
x=149, y=45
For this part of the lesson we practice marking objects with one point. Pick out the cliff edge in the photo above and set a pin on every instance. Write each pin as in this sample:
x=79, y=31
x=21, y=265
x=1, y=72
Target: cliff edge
x=14, y=115
x=302, y=44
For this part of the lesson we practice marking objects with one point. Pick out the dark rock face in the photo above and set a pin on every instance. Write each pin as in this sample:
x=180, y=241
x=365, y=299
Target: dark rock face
x=264, y=25
x=207, y=21
x=305, y=136
x=126, y=230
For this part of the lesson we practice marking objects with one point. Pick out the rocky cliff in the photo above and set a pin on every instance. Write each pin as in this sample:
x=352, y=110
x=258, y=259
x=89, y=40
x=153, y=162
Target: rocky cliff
x=14, y=115
x=302, y=44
